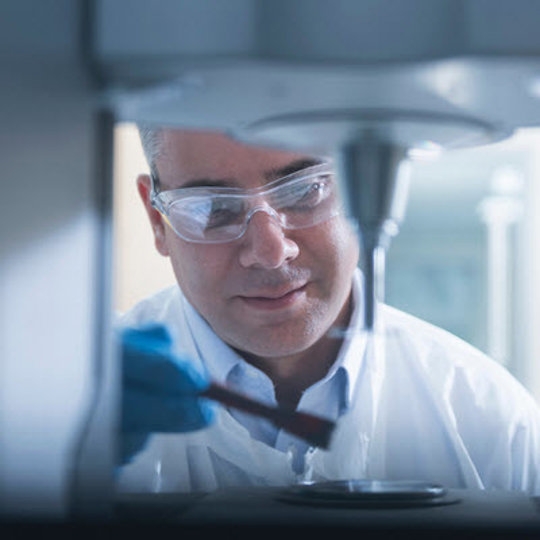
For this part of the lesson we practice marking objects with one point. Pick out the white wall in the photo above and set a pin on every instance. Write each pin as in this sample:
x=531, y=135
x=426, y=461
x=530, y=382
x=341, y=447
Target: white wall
x=139, y=270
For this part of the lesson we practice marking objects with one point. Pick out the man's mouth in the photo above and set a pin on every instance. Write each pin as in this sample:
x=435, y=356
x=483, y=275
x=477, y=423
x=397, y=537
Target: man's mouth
x=270, y=300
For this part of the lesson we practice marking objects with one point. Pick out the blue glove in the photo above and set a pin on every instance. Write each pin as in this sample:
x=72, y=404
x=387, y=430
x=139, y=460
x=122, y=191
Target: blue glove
x=160, y=391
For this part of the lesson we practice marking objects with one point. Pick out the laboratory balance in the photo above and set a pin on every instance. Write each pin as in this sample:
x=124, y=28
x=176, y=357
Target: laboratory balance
x=373, y=85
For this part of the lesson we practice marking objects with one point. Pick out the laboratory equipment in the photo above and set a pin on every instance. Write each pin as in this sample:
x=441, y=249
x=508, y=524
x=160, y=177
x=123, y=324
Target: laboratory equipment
x=469, y=68
x=317, y=77
x=369, y=494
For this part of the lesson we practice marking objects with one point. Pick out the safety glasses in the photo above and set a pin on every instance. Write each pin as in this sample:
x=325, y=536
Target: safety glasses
x=213, y=215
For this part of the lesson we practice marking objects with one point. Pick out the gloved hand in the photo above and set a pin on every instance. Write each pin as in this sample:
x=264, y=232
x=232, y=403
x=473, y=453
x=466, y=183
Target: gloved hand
x=160, y=390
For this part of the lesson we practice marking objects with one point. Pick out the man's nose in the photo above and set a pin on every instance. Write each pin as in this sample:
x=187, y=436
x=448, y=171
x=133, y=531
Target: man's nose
x=265, y=244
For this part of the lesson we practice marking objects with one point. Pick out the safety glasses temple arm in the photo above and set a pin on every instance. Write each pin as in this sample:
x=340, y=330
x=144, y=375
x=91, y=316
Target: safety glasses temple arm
x=154, y=189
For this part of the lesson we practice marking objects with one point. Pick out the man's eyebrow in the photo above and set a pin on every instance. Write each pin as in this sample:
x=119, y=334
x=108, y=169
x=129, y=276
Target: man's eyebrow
x=210, y=182
x=294, y=166
x=272, y=174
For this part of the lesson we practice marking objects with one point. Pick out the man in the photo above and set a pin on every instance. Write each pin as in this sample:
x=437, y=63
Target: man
x=269, y=304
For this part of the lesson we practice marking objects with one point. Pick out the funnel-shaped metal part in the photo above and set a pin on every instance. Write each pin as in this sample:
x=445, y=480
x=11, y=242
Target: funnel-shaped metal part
x=375, y=186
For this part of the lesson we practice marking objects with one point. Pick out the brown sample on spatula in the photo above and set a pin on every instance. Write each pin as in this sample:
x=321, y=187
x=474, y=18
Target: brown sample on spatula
x=313, y=429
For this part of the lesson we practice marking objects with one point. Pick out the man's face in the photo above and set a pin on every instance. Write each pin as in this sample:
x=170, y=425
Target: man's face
x=272, y=292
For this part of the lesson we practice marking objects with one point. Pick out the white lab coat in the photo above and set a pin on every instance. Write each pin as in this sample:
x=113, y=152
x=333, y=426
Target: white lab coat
x=426, y=406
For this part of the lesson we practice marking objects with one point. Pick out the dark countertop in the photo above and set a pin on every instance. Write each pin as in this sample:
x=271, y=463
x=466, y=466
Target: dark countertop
x=250, y=512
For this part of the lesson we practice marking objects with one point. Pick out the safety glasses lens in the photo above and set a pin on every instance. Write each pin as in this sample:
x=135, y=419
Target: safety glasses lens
x=299, y=203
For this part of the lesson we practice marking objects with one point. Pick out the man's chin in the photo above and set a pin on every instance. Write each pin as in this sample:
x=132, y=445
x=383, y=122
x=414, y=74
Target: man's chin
x=271, y=344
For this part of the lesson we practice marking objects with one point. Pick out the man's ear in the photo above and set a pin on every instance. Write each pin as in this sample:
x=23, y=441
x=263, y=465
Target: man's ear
x=156, y=220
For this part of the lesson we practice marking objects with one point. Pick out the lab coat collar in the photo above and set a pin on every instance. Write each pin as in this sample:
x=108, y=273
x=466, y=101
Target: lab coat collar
x=219, y=358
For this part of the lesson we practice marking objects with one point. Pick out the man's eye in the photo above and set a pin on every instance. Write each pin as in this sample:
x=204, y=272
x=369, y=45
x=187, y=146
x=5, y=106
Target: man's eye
x=222, y=214
x=310, y=195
